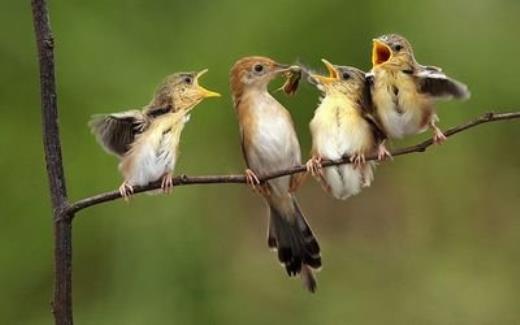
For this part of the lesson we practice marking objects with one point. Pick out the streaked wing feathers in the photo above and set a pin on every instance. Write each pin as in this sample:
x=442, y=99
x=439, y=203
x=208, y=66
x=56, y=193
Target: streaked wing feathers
x=432, y=81
x=116, y=132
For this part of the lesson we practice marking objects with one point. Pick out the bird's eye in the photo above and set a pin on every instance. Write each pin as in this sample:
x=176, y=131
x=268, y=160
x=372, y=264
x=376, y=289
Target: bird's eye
x=188, y=80
x=345, y=75
x=258, y=68
x=398, y=47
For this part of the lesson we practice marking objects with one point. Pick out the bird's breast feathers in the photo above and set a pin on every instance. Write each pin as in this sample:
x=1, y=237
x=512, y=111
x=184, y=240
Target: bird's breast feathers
x=401, y=108
x=338, y=129
x=155, y=151
x=270, y=141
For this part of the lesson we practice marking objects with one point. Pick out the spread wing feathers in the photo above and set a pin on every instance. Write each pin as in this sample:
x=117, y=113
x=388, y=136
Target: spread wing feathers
x=432, y=81
x=116, y=132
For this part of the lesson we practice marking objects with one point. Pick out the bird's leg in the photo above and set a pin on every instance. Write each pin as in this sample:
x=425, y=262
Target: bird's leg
x=438, y=136
x=382, y=152
x=253, y=181
x=296, y=181
x=126, y=190
x=167, y=183
x=358, y=160
x=314, y=166
x=316, y=169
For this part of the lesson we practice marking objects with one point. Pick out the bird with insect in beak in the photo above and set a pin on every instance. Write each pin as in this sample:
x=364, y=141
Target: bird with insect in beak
x=147, y=140
x=403, y=91
x=270, y=144
x=343, y=126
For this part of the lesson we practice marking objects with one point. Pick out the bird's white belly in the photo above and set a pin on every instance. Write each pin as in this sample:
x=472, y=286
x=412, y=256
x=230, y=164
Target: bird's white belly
x=335, y=139
x=153, y=160
x=401, y=113
x=273, y=146
x=338, y=135
x=400, y=123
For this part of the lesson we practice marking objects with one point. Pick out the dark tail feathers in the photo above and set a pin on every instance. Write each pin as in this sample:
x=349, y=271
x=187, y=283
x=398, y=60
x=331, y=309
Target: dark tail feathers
x=298, y=249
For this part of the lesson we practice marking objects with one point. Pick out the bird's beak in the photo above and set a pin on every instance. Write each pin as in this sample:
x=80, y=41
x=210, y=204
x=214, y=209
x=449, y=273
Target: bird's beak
x=380, y=52
x=281, y=68
x=333, y=74
x=205, y=93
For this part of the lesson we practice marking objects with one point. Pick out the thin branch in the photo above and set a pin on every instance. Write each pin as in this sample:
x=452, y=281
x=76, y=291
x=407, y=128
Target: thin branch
x=62, y=302
x=240, y=179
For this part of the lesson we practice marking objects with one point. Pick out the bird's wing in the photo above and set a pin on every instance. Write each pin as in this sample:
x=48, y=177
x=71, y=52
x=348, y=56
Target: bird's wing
x=156, y=111
x=368, y=109
x=432, y=81
x=116, y=132
x=243, y=147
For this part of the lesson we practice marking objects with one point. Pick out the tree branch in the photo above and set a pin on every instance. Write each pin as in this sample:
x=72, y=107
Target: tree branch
x=240, y=179
x=62, y=302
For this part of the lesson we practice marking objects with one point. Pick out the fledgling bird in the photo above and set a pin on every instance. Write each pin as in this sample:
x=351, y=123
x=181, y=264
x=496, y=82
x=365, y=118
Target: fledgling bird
x=269, y=144
x=403, y=91
x=147, y=141
x=343, y=126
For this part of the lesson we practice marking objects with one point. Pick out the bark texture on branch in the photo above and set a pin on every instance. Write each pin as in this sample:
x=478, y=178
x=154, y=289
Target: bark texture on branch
x=62, y=217
x=240, y=179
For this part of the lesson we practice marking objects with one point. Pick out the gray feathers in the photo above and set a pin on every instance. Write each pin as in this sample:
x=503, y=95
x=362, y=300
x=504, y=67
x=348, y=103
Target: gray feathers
x=116, y=132
x=432, y=81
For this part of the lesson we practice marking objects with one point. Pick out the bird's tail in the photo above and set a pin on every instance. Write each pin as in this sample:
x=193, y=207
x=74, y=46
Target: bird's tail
x=346, y=180
x=290, y=234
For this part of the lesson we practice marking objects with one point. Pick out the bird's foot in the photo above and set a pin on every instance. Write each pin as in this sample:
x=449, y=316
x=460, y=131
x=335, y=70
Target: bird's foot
x=383, y=153
x=314, y=166
x=126, y=190
x=358, y=159
x=167, y=183
x=438, y=136
x=252, y=180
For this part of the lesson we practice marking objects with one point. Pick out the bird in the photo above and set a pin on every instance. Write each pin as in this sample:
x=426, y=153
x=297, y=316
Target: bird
x=146, y=141
x=403, y=91
x=344, y=126
x=269, y=143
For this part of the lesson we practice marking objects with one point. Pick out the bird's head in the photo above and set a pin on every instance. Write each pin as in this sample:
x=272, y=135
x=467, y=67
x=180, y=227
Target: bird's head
x=254, y=72
x=343, y=80
x=391, y=50
x=181, y=91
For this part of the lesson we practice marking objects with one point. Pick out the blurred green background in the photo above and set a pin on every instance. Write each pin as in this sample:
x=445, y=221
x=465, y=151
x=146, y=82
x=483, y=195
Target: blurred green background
x=435, y=240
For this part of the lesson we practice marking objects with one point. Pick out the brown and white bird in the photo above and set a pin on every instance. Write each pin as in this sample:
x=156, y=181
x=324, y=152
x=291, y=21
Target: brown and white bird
x=343, y=126
x=147, y=141
x=403, y=91
x=269, y=144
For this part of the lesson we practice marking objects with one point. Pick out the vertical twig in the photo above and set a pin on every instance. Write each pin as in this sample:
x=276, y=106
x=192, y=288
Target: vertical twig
x=62, y=302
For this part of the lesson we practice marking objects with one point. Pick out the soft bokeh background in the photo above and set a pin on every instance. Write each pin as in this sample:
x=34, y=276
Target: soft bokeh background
x=435, y=240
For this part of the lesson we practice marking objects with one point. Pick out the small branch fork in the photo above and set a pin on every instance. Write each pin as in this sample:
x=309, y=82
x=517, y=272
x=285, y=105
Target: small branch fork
x=240, y=179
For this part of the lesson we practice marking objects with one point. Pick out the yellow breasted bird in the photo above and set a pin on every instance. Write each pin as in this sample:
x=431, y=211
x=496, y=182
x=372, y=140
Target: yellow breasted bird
x=147, y=140
x=269, y=144
x=343, y=126
x=403, y=91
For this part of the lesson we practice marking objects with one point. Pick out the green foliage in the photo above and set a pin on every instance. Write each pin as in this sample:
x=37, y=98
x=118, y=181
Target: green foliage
x=433, y=241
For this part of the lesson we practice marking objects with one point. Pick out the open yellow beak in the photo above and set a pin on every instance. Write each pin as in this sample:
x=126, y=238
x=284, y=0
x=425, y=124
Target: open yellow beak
x=380, y=52
x=333, y=74
x=205, y=93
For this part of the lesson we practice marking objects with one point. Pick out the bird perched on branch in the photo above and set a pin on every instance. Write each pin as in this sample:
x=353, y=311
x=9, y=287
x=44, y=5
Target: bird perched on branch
x=269, y=144
x=147, y=141
x=343, y=126
x=403, y=91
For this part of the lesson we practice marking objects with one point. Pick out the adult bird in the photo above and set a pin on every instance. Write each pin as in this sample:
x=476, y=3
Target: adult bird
x=269, y=144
